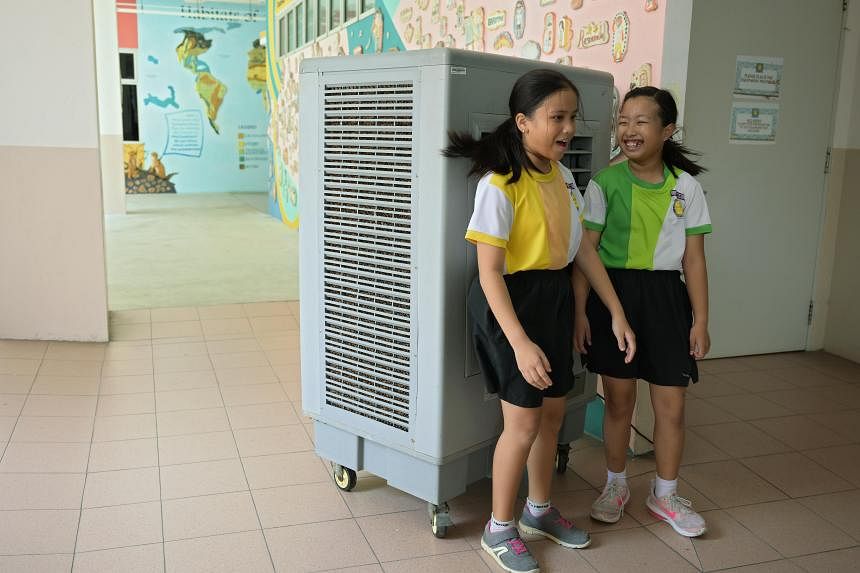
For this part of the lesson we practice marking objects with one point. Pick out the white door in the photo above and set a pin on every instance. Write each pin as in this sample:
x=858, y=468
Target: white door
x=765, y=199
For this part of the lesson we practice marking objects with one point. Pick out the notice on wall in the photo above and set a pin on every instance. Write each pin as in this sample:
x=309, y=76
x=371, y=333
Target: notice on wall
x=184, y=133
x=754, y=122
x=758, y=76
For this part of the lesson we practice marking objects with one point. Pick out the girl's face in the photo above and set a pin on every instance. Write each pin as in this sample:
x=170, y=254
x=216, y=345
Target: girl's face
x=640, y=131
x=549, y=129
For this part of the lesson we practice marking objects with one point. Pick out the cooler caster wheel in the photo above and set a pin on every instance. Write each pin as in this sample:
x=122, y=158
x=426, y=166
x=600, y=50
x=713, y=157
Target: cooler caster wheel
x=344, y=478
x=562, y=457
x=440, y=519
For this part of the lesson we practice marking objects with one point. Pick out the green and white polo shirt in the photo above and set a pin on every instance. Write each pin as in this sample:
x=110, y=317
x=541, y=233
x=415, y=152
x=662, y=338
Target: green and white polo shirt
x=644, y=225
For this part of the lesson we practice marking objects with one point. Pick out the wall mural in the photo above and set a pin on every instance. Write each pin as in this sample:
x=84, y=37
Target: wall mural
x=623, y=37
x=203, y=101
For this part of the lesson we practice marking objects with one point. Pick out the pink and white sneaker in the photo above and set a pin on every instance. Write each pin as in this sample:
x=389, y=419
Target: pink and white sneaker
x=677, y=512
x=609, y=507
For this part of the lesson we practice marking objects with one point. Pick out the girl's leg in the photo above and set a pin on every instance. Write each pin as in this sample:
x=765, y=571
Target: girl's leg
x=668, y=404
x=541, y=460
x=521, y=427
x=620, y=397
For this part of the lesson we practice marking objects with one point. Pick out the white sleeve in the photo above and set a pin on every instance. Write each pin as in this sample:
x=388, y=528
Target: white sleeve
x=697, y=218
x=493, y=215
x=595, y=207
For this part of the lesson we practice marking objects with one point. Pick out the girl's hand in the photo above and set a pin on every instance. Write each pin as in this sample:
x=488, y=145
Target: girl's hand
x=700, y=341
x=581, y=333
x=533, y=364
x=625, y=337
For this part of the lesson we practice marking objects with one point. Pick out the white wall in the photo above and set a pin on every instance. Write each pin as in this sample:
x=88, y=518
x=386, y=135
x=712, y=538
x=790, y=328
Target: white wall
x=52, y=272
x=676, y=51
x=846, y=133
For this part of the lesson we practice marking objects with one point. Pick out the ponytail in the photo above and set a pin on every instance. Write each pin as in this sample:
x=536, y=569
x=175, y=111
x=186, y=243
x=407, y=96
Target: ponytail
x=675, y=155
x=501, y=151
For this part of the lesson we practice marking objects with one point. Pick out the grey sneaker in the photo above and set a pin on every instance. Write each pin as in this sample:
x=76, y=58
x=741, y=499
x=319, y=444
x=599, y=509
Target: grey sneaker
x=553, y=526
x=609, y=507
x=509, y=550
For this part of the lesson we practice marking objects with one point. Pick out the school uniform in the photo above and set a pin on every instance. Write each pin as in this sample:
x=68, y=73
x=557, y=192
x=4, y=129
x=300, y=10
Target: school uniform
x=538, y=222
x=644, y=228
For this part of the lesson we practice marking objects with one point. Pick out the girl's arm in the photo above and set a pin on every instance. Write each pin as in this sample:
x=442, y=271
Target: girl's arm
x=531, y=360
x=581, y=327
x=696, y=277
x=592, y=267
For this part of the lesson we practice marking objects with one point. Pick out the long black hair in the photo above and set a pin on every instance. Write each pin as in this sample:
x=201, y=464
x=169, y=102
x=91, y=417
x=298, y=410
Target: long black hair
x=675, y=155
x=502, y=151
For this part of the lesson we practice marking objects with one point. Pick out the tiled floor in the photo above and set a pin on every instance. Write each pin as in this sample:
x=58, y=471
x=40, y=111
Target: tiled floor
x=180, y=446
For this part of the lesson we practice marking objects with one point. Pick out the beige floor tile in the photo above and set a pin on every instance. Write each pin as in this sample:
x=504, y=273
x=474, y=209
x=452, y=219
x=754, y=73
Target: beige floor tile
x=177, y=329
x=841, y=509
x=53, y=429
x=252, y=394
x=126, y=404
x=749, y=406
x=141, y=331
x=740, y=439
x=121, y=487
x=274, y=324
x=227, y=328
x=722, y=366
x=791, y=528
x=131, y=427
x=373, y=496
x=295, y=504
x=168, y=340
x=240, y=360
x=175, y=314
x=842, y=561
x=127, y=367
x=202, y=478
x=197, y=399
x=465, y=562
x=28, y=349
x=185, y=380
x=140, y=558
x=93, y=351
x=285, y=469
x=294, y=393
x=844, y=461
x=294, y=307
x=139, y=384
x=847, y=395
x=38, y=531
x=288, y=373
x=253, y=375
x=221, y=311
x=16, y=383
x=182, y=363
x=757, y=381
x=769, y=362
x=257, y=309
x=123, y=455
x=803, y=377
x=119, y=526
x=7, y=426
x=45, y=458
x=179, y=350
x=274, y=440
x=698, y=450
x=41, y=491
x=21, y=366
x=60, y=406
x=284, y=357
x=643, y=551
x=700, y=412
x=262, y=415
x=805, y=401
x=233, y=345
x=128, y=351
x=201, y=516
x=414, y=537
x=130, y=316
x=233, y=552
x=718, y=481
x=801, y=432
x=70, y=368
x=192, y=422
x=778, y=566
x=196, y=448
x=36, y=563
x=65, y=386
x=847, y=424
x=683, y=546
x=11, y=404
x=285, y=341
x=796, y=474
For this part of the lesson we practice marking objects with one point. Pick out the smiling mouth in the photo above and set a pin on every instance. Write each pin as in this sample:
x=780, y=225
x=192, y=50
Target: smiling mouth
x=563, y=143
x=632, y=144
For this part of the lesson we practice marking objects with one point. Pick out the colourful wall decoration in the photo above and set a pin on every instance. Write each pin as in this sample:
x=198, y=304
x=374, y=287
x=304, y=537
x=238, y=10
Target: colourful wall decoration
x=201, y=83
x=623, y=37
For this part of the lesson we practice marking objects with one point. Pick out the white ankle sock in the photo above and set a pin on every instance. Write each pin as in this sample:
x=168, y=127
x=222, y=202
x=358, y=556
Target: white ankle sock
x=538, y=509
x=620, y=477
x=497, y=526
x=664, y=487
